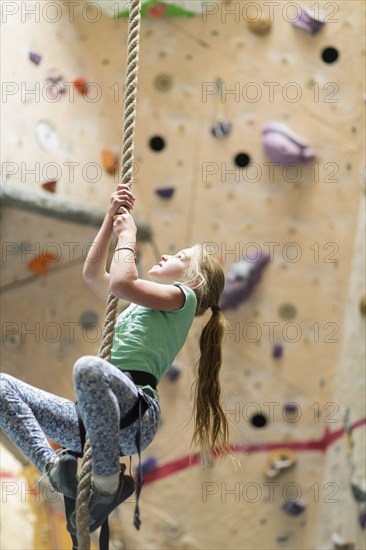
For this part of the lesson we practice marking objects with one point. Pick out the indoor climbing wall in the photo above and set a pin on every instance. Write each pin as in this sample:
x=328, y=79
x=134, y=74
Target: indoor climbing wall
x=249, y=138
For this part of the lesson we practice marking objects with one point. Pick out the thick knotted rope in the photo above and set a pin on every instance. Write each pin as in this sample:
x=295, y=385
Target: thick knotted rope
x=127, y=161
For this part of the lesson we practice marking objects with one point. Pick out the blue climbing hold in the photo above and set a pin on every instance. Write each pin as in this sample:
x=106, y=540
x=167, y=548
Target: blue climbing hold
x=165, y=192
x=293, y=507
x=277, y=351
x=149, y=464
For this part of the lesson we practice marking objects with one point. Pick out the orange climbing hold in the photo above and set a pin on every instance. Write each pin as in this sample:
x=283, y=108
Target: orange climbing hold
x=81, y=84
x=110, y=161
x=279, y=460
x=40, y=265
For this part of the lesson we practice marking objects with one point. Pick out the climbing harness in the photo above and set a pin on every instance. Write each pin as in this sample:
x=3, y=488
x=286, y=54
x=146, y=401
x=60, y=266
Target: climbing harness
x=143, y=403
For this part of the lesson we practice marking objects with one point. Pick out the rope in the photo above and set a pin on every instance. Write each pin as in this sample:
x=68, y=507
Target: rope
x=127, y=160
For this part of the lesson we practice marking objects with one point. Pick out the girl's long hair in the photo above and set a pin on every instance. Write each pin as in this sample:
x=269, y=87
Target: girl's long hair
x=211, y=431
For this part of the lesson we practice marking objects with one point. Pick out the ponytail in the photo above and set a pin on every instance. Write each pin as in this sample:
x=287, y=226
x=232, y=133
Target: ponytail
x=211, y=430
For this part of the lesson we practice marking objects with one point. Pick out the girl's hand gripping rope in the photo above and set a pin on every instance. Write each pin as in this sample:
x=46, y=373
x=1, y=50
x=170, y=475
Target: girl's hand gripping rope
x=123, y=196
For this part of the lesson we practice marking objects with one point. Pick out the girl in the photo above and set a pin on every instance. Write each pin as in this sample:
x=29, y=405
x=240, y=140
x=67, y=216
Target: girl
x=148, y=336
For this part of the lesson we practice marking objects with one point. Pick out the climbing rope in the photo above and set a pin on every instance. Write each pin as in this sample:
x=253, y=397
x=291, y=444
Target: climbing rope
x=127, y=160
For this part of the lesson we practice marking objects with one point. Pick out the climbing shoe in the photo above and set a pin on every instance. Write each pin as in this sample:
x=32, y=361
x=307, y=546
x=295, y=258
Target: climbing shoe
x=102, y=504
x=62, y=475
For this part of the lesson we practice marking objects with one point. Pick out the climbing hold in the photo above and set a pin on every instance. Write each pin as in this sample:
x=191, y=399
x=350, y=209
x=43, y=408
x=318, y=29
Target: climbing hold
x=165, y=192
x=282, y=145
x=40, y=264
x=55, y=84
x=12, y=340
x=359, y=490
x=221, y=129
x=308, y=21
x=260, y=26
x=49, y=186
x=157, y=10
x=362, y=520
x=340, y=544
x=88, y=319
x=173, y=373
x=293, y=507
x=241, y=280
x=110, y=161
x=287, y=311
x=47, y=136
x=285, y=538
x=149, y=464
x=163, y=82
x=35, y=57
x=291, y=409
x=173, y=531
x=81, y=84
x=278, y=461
x=277, y=350
x=363, y=304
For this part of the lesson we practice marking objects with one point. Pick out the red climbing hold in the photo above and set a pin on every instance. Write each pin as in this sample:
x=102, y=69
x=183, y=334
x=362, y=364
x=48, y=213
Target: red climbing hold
x=81, y=84
x=157, y=10
x=49, y=186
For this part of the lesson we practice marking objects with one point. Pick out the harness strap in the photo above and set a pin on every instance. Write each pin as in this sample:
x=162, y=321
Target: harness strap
x=137, y=412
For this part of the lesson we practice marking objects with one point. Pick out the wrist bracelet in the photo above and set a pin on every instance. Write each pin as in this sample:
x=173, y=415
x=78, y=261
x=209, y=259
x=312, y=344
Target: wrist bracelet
x=126, y=248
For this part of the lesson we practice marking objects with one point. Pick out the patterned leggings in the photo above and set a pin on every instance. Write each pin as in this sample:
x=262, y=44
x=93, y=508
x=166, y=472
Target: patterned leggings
x=104, y=395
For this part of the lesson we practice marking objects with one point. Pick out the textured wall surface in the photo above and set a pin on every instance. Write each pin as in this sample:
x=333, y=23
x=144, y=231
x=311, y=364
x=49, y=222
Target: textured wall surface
x=304, y=216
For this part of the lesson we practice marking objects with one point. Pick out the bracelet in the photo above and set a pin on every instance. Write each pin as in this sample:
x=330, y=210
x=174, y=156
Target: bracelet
x=126, y=248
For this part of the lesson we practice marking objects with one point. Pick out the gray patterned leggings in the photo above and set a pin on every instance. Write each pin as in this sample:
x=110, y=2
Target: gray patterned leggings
x=104, y=395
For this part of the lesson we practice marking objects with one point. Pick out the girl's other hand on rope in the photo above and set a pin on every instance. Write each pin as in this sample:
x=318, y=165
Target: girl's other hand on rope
x=122, y=197
x=123, y=222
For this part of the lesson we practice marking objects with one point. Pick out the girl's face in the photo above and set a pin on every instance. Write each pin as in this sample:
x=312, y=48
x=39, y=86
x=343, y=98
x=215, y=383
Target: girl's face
x=171, y=268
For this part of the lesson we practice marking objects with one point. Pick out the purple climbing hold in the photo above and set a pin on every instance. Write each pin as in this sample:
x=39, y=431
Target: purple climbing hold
x=362, y=520
x=149, y=464
x=277, y=351
x=242, y=279
x=293, y=507
x=282, y=145
x=308, y=21
x=35, y=57
x=165, y=192
x=173, y=373
x=290, y=408
x=221, y=129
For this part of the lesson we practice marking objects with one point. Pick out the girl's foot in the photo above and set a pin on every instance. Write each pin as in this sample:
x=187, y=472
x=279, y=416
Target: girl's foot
x=62, y=475
x=101, y=504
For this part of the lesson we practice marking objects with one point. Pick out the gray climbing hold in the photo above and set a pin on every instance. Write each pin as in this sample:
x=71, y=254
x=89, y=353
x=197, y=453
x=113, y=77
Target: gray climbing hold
x=221, y=129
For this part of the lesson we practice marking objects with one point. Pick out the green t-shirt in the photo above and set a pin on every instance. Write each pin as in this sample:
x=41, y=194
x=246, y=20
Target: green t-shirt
x=149, y=340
